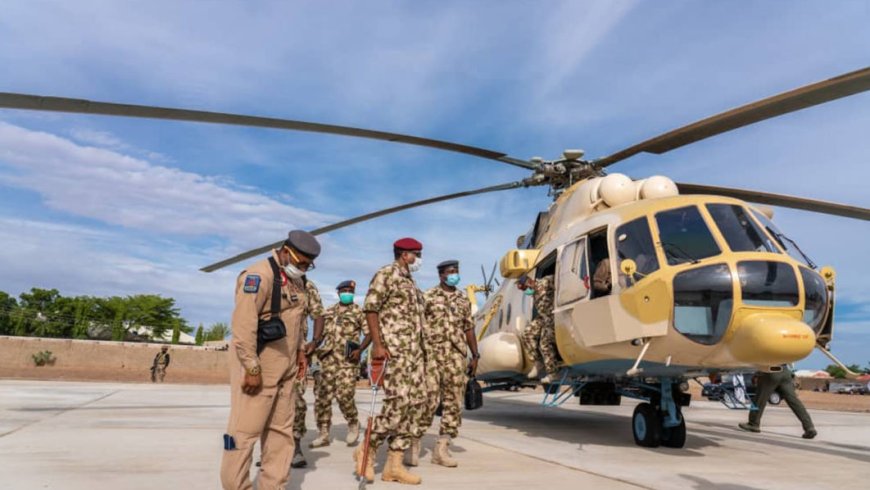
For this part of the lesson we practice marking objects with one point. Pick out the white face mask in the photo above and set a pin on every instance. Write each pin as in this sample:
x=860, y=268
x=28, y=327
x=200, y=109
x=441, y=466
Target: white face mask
x=418, y=263
x=292, y=271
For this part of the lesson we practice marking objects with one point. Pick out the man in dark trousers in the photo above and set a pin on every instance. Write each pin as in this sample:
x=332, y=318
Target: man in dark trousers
x=781, y=382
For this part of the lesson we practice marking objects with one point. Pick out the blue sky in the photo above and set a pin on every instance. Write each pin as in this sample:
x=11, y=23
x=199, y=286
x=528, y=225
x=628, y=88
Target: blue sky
x=102, y=206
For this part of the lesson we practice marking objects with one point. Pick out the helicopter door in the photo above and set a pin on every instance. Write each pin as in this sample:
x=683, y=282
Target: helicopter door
x=572, y=283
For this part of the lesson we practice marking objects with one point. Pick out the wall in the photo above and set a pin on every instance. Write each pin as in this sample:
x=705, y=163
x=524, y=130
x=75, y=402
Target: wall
x=92, y=360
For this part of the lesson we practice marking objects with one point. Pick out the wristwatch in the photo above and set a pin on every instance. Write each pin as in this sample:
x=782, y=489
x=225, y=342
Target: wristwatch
x=476, y=355
x=253, y=371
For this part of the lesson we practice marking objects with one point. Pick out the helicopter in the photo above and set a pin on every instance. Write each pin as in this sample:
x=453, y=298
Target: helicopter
x=703, y=280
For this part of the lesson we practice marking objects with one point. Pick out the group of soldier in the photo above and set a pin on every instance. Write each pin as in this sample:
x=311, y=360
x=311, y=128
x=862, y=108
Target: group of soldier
x=426, y=341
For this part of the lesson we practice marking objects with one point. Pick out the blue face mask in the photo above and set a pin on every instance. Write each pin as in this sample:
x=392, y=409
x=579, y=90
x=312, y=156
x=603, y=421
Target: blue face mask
x=452, y=279
x=530, y=292
x=345, y=298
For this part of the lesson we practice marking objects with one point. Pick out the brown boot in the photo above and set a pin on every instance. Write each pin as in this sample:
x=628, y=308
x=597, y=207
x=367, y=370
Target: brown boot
x=370, y=463
x=322, y=438
x=441, y=455
x=394, y=471
x=412, y=455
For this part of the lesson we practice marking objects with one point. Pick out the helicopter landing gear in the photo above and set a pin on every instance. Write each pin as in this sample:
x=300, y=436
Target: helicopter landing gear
x=658, y=421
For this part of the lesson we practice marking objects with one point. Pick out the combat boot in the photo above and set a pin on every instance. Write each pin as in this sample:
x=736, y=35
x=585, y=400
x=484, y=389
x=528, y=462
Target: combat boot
x=394, y=471
x=536, y=371
x=322, y=439
x=352, y=433
x=298, y=458
x=441, y=455
x=412, y=455
x=370, y=463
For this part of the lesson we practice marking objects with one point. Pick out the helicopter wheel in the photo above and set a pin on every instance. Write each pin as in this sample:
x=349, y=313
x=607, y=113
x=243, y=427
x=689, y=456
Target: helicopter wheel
x=674, y=437
x=646, y=424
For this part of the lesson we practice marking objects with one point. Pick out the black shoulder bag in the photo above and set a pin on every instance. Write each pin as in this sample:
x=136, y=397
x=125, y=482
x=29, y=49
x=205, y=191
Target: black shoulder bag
x=473, y=395
x=272, y=329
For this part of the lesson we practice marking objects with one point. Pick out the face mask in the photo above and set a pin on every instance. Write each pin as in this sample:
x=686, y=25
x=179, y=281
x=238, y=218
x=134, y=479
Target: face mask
x=292, y=271
x=345, y=298
x=530, y=292
x=416, y=265
x=452, y=279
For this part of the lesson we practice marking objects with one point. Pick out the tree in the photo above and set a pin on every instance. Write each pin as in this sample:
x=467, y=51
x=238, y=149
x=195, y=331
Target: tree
x=8, y=313
x=199, y=336
x=218, y=331
x=838, y=372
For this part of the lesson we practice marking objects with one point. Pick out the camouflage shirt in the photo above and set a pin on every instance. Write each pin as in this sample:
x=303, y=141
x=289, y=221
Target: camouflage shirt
x=448, y=317
x=342, y=323
x=545, y=291
x=313, y=306
x=394, y=296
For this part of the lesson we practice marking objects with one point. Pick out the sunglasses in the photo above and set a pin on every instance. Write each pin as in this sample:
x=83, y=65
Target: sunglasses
x=305, y=265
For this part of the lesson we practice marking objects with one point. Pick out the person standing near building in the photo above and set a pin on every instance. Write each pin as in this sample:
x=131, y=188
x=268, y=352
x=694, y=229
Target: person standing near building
x=394, y=313
x=161, y=362
x=782, y=382
x=270, y=302
x=344, y=326
x=448, y=336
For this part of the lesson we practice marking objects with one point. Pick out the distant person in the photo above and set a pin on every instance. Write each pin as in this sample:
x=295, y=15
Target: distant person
x=781, y=382
x=161, y=362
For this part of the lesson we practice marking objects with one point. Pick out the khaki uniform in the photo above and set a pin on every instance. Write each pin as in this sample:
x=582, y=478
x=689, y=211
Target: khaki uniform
x=541, y=332
x=158, y=369
x=394, y=295
x=338, y=376
x=313, y=309
x=268, y=415
x=448, y=318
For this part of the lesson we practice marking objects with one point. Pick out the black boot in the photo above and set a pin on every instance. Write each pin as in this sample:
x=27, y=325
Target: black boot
x=298, y=457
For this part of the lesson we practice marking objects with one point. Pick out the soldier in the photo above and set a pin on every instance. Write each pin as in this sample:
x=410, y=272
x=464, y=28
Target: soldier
x=394, y=313
x=345, y=323
x=161, y=362
x=314, y=310
x=448, y=335
x=540, y=333
x=264, y=365
x=782, y=383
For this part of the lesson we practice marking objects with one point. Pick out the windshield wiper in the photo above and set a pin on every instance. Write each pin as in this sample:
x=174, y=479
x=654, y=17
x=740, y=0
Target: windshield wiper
x=781, y=237
x=686, y=255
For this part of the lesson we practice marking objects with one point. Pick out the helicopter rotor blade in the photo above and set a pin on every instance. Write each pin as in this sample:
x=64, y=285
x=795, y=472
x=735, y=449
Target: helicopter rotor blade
x=813, y=205
x=794, y=100
x=365, y=217
x=83, y=106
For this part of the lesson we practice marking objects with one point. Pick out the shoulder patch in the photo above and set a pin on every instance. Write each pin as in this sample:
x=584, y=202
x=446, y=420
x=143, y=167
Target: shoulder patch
x=252, y=283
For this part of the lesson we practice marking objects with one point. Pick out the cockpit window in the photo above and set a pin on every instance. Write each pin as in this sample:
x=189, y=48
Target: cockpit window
x=739, y=230
x=634, y=241
x=703, y=302
x=783, y=241
x=815, y=298
x=684, y=235
x=768, y=283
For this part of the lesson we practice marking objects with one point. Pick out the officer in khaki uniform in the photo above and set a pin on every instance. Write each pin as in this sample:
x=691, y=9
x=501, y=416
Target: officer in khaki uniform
x=262, y=384
x=540, y=333
x=394, y=313
x=781, y=382
x=314, y=310
x=448, y=335
x=344, y=322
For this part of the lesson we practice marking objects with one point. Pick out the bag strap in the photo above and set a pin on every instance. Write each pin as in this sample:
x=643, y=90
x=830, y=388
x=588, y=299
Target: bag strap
x=276, y=288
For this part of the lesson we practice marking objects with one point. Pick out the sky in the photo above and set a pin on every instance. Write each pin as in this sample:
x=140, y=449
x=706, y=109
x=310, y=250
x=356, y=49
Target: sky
x=105, y=206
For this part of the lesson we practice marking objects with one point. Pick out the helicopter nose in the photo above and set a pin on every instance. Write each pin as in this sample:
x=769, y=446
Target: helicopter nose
x=771, y=339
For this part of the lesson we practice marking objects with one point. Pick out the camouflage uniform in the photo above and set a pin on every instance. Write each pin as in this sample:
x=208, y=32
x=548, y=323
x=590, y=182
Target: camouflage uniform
x=338, y=376
x=394, y=296
x=158, y=370
x=448, y=317
x=313, y=309
x=541, y=332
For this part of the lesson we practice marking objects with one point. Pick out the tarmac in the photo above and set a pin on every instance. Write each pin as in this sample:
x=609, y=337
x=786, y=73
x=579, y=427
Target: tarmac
x=75, y=435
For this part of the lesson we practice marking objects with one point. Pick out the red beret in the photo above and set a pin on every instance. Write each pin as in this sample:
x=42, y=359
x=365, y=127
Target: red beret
x=408, y=244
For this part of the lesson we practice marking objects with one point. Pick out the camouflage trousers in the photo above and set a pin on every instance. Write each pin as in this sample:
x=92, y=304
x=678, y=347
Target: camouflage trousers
x=540, y=335
x=337, y=381
x=404, y=400
x=445, y=383
x=301, y=409
x=158, y=373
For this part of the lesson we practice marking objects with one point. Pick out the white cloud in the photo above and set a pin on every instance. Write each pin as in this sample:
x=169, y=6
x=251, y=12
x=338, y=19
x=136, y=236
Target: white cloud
x=121, y=190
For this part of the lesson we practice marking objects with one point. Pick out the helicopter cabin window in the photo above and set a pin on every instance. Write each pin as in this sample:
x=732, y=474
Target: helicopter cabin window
x=784, y=242
x=573, y=273
x=634, y=241
x=703, y=301
x=739, y=230
x=684, y=236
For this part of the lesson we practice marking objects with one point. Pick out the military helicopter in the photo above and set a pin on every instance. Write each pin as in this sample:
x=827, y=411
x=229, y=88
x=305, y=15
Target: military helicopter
x=703, y=279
